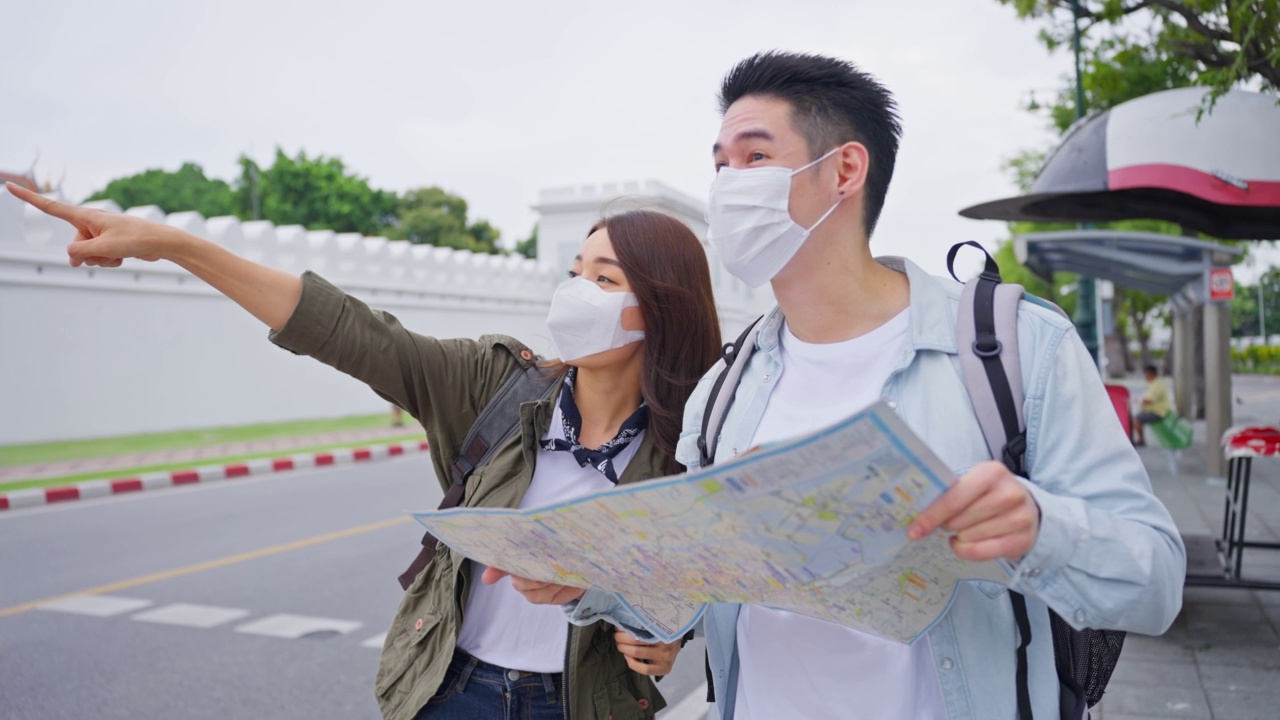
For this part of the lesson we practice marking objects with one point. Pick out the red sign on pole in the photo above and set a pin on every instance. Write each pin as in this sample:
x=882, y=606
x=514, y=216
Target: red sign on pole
x=1222, y=287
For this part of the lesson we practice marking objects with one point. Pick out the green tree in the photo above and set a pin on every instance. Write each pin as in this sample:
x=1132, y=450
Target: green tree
x=1136, y=313
x=1060, y=289
x=1158, y=44
x=1131, y=48
x=185, y=189
x=486, y=236
x=1023, y=168
x=528, y=247
x=317, y=193
x=434, y=216
x=1244, y=306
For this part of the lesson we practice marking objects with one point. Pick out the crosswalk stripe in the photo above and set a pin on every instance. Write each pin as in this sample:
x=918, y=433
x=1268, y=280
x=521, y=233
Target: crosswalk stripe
x=189, y=615
x=293, y=627
x=95, y=605
x=375, y=642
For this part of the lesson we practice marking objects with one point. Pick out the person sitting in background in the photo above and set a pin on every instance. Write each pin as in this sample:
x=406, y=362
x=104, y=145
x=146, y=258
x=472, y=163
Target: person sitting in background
x=1156, y=404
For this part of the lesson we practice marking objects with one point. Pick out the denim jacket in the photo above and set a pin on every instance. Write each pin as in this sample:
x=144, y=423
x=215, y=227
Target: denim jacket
x=1108, y=555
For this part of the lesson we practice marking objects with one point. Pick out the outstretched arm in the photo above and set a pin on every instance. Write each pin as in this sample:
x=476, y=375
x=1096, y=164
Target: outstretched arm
x=105, y=239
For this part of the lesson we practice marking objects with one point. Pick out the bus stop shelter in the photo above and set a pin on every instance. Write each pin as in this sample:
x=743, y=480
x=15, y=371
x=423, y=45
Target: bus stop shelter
x=1182, y=268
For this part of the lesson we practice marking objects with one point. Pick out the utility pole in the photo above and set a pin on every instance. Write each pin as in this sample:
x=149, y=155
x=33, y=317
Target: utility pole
x=1086, y=319
x=1262, y=315
x=253, y=190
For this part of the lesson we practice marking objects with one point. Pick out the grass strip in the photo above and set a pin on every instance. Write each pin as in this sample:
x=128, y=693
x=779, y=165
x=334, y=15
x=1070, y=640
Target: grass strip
x=32, y=453
x=130, y=472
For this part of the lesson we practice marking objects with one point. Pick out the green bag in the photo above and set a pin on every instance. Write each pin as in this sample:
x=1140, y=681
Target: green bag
x=1172, y=433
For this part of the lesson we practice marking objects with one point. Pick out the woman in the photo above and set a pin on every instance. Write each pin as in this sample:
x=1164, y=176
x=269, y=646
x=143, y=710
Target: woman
x=635, y=325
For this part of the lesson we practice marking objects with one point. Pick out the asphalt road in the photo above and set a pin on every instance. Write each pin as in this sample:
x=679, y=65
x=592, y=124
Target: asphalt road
x=1256, y=399
x=262, y=598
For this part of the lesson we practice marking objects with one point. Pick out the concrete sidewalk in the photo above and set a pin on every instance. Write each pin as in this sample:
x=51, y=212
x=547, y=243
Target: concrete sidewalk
x=1221, y=658
x=199, y=455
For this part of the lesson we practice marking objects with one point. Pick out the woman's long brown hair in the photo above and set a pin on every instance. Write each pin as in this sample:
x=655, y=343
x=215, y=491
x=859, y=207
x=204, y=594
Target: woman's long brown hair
x=668, y=272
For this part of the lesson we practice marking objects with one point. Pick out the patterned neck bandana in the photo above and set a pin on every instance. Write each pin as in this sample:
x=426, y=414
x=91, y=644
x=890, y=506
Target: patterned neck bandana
x=600, y=458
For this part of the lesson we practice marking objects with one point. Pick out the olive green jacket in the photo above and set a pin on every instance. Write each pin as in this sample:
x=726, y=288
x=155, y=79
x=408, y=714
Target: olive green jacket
x=446, y=384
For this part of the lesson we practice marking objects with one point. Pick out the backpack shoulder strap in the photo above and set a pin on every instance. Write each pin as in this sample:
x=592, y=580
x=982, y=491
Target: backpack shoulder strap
x=499, y=420
x=735, y=356
x=987, y=342
x=496, y=424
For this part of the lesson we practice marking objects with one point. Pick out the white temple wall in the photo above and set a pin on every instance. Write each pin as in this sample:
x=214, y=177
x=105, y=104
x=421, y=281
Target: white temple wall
x=91, y=352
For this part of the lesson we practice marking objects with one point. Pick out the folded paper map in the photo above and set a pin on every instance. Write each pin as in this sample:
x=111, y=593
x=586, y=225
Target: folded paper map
x=816, y=525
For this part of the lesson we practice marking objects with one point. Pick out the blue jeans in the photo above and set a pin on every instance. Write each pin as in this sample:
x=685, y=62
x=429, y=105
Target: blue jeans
x=475, y=690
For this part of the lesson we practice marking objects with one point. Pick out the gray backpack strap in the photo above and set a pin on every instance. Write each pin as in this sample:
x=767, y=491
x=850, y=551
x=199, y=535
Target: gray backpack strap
x=497, y=423
x=987, y=336
x=735, y=356
x=987, y=341
x=499, y=420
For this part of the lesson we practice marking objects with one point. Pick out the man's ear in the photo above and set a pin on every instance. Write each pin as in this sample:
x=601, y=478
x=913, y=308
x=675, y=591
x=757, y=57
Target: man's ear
x=852, y=164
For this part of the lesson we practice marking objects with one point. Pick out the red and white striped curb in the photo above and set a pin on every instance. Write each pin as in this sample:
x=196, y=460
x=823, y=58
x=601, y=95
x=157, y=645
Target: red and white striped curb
x=15, y=499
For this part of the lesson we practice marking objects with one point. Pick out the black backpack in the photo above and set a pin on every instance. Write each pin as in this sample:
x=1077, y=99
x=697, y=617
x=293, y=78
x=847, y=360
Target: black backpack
x=496, y=424
x=987, y=340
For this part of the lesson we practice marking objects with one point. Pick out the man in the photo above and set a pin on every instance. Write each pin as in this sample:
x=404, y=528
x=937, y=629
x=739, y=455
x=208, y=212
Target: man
x=804, y=159
x=1156, y=404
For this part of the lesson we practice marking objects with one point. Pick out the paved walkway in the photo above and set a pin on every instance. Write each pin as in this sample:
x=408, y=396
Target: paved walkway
x=1221, y=659
x=197, y=455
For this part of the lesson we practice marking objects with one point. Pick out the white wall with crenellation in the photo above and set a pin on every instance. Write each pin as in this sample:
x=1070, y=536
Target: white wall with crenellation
x=147, y=347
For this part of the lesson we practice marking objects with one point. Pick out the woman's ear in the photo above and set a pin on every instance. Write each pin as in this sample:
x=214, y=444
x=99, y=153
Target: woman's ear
x=632, y=318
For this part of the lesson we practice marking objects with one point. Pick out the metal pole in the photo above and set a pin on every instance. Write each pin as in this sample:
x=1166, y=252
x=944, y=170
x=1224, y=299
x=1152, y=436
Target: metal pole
x=1075, y=21
x=1262, y=315
x=1217, y=378
x=1086, y=318
x=1184, y=362
x=253, y=190
x=1100, y=306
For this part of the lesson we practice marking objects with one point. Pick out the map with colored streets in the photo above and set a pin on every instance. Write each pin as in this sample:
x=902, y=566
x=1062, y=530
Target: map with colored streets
x=815, y=525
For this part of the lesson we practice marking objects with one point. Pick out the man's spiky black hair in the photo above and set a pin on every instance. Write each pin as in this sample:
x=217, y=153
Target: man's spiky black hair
x=832, y=102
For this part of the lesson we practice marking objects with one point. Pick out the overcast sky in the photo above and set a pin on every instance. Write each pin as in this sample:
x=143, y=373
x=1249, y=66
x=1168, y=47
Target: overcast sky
x=497, y=100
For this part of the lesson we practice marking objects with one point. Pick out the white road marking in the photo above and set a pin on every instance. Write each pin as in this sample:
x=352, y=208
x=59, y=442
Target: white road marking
x=292, y=627
x=375, y=642
x=96, y=605
x=694, y=706
x=188, y=615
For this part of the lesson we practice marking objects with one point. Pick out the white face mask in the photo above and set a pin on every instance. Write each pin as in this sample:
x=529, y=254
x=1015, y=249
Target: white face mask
x=585, y=320
x=750, y=225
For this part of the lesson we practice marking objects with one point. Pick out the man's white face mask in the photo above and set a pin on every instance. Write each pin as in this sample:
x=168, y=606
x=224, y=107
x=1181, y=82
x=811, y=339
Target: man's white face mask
x=585, y=320
x=750, y=225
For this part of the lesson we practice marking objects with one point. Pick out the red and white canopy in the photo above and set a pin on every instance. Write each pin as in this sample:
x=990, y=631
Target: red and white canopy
x=1150, y=158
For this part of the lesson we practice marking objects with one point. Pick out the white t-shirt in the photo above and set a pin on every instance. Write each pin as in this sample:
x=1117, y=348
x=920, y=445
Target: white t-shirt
x=792, y=666
x=500, y=626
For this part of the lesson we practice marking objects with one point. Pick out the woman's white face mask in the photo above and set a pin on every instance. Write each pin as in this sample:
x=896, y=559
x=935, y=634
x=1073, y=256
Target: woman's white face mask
x=750, y=224
x=585, y=320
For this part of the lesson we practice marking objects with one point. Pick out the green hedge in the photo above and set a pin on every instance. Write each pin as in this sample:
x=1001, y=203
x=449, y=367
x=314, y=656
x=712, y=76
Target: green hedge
x=1261, y=359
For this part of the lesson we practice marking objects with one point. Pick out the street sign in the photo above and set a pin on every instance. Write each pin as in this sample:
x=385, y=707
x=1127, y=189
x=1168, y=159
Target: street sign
x=1222, y=286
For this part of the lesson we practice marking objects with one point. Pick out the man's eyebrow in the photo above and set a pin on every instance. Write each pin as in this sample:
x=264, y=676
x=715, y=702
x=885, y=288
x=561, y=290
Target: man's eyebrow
x=754, y=134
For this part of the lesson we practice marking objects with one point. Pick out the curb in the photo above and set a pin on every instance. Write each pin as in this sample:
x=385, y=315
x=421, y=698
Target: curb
x=33, y=497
